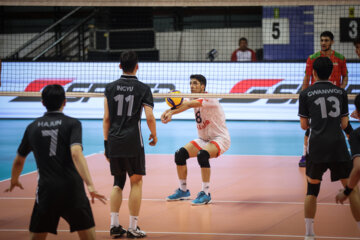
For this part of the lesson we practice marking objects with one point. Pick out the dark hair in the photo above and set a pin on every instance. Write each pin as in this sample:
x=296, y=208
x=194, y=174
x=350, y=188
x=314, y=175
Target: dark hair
x=200, y=78
x=357, y=102
x=128, y=61
x=53, y=96
x=323, y=67
x=243, y=39
x=357, y=41
x=327, y=34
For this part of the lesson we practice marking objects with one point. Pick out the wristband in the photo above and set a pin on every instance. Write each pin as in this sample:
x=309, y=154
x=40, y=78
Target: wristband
x=347, y=190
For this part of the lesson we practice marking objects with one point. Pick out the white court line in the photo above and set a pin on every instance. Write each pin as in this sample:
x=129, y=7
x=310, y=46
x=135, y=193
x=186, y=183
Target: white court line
x=220, y=201
x=211, y=234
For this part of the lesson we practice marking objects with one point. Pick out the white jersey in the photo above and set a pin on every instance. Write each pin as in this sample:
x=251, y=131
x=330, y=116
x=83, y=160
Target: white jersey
x=210, y=120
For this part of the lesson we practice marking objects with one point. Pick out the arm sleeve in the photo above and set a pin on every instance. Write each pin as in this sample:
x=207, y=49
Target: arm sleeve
x=303, y=110
x=24, y=147
x=76, y=133
x=148, y=98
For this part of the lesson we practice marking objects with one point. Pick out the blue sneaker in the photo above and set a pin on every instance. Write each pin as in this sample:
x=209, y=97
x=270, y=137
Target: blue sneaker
x=302, y=162
x=202, y=199
x=179, y=195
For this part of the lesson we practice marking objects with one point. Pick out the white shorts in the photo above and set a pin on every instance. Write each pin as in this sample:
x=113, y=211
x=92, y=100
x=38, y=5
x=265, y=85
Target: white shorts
x=221, y=143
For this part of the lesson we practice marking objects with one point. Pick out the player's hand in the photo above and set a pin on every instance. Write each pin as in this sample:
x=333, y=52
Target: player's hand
x=94, y=194
x=166, y=117
x=341, y=197
x=14, y=184
x=355, y=115
x=154, y=140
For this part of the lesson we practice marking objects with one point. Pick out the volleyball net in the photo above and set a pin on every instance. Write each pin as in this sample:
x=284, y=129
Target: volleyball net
x=80, y=49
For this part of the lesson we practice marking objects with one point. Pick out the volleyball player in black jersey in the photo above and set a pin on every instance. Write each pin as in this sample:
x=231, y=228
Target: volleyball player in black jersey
x=125, y=99
x=56, y=141
x=323, y=108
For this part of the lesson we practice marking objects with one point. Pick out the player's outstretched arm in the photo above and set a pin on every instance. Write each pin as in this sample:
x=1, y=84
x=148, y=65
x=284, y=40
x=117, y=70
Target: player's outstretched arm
x=82, y=168
x=353, y=181
x=15, y=173
x=151, y=122
x=167, y=115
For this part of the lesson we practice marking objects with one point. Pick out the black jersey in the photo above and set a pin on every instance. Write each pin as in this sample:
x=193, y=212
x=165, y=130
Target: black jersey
x=325, y=104
x=126, y=97
x=50, y=138
x=354, y=140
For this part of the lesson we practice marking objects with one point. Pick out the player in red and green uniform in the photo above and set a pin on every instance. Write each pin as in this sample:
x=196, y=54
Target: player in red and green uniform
x=339, y=73
x=338, y=77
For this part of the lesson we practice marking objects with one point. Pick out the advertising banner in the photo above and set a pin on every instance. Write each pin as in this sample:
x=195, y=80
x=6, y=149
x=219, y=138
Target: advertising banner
x=269, y=78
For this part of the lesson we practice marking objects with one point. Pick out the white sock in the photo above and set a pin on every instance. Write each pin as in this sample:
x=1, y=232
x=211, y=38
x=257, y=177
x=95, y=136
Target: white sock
x=309, y=226
x=114, y=219
x=304, y=150
x=183, y=186
x=205, y=187
x=133, y=222
x=358, y=223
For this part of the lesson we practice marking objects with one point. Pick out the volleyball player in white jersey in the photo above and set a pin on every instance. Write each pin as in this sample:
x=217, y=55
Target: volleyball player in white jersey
x=214, y=140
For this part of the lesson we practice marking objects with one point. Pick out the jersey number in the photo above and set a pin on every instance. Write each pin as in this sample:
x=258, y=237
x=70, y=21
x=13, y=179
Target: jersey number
x=335, y=112
x=53, y=134
x=128, y=100
x=198, y=117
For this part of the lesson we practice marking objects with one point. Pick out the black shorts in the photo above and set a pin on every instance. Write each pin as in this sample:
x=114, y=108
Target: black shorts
x=132, y=165
x=45, y=219
x=338, y=170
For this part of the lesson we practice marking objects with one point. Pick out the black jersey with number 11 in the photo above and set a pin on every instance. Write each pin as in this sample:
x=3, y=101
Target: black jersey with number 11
x=325, y=104
x=126, y=98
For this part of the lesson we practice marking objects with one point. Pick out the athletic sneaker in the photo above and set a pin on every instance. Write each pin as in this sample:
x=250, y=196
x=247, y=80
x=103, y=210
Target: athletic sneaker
x=179, y=195
x=116, y=232
x=135, y=233
x=202, y=199
x=302, y=162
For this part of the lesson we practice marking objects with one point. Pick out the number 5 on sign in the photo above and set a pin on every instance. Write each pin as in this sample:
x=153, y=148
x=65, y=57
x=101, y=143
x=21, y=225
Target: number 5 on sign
x=275, y=31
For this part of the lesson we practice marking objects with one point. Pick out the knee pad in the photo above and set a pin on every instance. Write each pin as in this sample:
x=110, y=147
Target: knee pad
x=181, y=156
x=203, y=159
x=119, y=180
x=313, y=189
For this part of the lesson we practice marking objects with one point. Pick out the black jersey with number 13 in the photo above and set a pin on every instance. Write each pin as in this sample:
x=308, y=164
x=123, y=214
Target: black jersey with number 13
x=325, y=104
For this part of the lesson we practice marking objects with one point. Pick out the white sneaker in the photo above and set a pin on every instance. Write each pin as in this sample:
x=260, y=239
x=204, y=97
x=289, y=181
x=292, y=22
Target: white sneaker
x=135, y=233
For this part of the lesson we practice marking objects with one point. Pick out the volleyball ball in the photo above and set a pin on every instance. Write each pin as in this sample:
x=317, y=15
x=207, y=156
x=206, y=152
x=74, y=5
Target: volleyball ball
x=174, y=102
